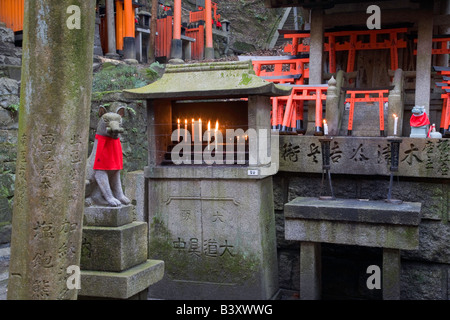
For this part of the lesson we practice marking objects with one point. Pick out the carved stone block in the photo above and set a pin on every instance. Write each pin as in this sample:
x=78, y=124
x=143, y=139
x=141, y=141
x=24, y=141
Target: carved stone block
x=114, y=248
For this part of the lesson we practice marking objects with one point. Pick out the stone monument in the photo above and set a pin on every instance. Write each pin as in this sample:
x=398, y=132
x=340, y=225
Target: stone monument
x=212, y=224
x=53, y=135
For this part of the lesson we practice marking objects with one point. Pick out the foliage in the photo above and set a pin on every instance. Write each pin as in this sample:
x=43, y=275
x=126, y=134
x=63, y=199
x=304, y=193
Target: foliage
x=13, y=108
x=154, y=71
x=118, y=78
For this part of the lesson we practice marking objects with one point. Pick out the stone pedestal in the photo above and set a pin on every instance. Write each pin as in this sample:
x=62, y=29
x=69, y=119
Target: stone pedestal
x=114, y=255
x=217, y=237
x=393, y=227
x=419, y=132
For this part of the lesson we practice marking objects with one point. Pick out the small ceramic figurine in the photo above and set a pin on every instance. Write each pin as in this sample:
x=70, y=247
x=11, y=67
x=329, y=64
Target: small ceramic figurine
x=433, y=133
x=419, y=122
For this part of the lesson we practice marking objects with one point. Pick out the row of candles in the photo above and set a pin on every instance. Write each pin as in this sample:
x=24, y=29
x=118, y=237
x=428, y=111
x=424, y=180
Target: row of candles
x=196, y=130
x=197, y=124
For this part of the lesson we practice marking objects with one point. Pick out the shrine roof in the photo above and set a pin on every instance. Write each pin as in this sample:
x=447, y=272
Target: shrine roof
x=208, y=80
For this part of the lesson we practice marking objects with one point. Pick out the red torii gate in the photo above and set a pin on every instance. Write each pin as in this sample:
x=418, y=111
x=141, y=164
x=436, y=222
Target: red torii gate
x=352, y=45
x=445, y=85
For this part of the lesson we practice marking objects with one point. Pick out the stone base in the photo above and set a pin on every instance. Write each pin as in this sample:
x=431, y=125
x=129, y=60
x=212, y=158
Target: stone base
x=216, y=236
x=107, y=216
x=419, y=132
x=121, y=285
x=114, y=248
x=353, y=222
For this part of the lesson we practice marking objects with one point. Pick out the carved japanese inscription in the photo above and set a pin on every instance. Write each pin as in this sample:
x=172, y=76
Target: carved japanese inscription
x=355, y=155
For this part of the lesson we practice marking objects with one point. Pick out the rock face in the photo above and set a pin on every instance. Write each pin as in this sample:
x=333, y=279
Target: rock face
x=10, y=67
x=9, y=54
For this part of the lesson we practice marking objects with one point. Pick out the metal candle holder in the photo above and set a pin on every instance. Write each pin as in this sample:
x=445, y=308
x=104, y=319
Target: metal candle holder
x=326, y=156
x=395, y=154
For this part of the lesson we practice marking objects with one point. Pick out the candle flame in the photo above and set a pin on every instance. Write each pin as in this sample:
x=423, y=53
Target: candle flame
x=185, y=121
x=324, y=121
x=395, y=116
x=178, y=120
x=217, y=125
x=209, y=125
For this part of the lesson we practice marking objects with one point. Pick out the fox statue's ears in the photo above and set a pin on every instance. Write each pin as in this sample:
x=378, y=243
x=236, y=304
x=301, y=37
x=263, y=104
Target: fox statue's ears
x=102, y=110
x=121, y=111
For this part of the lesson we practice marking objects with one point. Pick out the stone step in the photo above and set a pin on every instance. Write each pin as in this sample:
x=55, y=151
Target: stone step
x=121, y=285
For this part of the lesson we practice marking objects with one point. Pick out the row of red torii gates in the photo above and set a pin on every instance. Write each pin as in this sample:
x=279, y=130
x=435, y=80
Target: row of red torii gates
x=119, y=29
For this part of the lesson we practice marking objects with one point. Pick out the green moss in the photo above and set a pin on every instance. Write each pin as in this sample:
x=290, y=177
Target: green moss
x=245, y=80
x=98, y=96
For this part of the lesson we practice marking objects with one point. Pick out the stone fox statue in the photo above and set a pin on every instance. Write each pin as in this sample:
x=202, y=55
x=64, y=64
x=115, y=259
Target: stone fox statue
x=103, y=185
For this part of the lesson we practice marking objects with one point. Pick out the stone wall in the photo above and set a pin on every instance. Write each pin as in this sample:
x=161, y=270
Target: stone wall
x=10, y=64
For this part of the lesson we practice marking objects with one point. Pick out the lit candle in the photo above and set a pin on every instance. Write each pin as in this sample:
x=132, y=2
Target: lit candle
x=325, y=127
x=178, y=130
x=200, y=130
x=395, y=124
x=185, y=129
x=209, y=133
x=193, y=131
x=215, y=133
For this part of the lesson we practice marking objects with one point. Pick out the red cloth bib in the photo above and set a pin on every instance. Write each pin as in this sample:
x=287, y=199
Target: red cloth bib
x=109, y=154
x=419, y=121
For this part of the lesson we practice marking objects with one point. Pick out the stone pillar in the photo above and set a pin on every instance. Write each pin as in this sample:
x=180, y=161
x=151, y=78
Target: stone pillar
x=424, y=47
x=129, y=48
x=391, y=274
x=97, y=42
x=310, y=271
x=316, y=64
x=395, y=103
x=333, y=113
x=53, y=143
x=111, y=26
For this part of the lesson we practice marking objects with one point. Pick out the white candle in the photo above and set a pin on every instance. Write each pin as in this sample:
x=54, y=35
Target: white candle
x=325, y=127
x=209, y=133
x=395, y=124
x=178, y=130
x=200, y=130
x=215, y=134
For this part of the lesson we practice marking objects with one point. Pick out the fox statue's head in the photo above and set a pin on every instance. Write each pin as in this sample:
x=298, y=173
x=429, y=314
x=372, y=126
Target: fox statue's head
x=110, y=123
